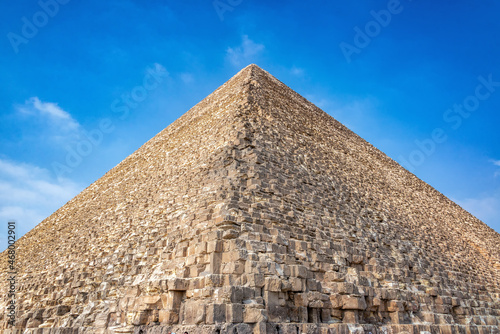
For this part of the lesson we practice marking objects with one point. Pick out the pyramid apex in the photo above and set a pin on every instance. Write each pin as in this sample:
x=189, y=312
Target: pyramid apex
x=251, y=70
x=252, y=66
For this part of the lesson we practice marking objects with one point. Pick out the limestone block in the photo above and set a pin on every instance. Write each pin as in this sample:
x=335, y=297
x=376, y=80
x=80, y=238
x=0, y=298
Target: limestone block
x=325, y=315
x=350, y=317
x=140, y=318
x=253, y=315
x=298, y=271
x=178, y=284
x=171, y=301
x=255, y=280
x=61, y=310
x=432, y=291
x=344, y=288
x=33, y=323
x=236, y=268
x=272, y=284
x=234, y=313
x=313, y=315
x=336, y=301
x=168, y=317
x=215, y=313
x=101, y=320
x=350, y=302
x=301, y=299
x=333, y=276
x=395, y=306
x=214, y=280
x=313, y=285
x=396, y=317
x=260, y=328
x=148, y=302
x=214, y=246
x=194, y=312
x=277, y=313
x=237, y=294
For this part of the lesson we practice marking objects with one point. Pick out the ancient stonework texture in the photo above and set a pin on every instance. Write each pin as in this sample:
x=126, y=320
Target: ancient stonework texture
x=256, y=212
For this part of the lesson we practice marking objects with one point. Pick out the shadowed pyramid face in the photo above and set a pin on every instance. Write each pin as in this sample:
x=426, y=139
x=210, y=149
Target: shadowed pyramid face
x=256, y=212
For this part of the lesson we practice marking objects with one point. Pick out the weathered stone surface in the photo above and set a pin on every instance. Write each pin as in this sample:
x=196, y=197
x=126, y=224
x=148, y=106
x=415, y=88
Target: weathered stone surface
x=256, y=212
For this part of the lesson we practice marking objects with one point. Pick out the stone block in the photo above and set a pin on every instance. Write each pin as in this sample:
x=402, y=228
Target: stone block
x=313, y=315
x=178, y=284
x=336, y=301
x=350, y=317
x=301, y=299
x=255, y=280
x=253, y=315
x=148, y=302
x=101, y=320
x=395, y=306
x=325, y=315
x=194, y=312
x=298, y=271
x=277, y=313
x=272, y=284
x=168, y=317
x=62, y=310
x=172, y=300
x=140, y=318
x=234, y=313
x=298, y=284
x=353, y=303
x=215, y=313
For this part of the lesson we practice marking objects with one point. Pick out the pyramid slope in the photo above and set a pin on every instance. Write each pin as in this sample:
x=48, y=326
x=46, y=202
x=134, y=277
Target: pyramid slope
x=258, y=212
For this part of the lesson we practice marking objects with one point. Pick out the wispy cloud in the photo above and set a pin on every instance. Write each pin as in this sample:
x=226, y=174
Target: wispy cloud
x=297, y=71
x=245, y=53
x=28, y=194
x=496, y=163
x=55, y=114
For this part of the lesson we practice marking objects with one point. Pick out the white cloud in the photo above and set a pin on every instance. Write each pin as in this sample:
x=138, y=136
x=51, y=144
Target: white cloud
x=28, y=194
x=496, y=163
x=160, y=69
x=245, y=53
x=51, y=111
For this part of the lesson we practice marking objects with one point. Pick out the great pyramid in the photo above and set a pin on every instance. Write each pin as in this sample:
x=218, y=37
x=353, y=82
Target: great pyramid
x=256, y=212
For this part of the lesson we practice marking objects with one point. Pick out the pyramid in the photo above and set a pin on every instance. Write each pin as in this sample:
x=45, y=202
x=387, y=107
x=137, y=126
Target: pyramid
x=256, y=212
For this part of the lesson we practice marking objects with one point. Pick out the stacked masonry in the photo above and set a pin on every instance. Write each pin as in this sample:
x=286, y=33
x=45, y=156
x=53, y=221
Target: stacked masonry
x=256, y=212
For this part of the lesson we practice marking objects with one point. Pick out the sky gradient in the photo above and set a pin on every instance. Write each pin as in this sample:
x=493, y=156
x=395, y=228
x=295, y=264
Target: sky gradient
x=84, y=84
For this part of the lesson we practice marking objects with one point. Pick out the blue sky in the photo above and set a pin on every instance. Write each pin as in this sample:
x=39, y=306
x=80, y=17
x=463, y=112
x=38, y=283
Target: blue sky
x=418, y=79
